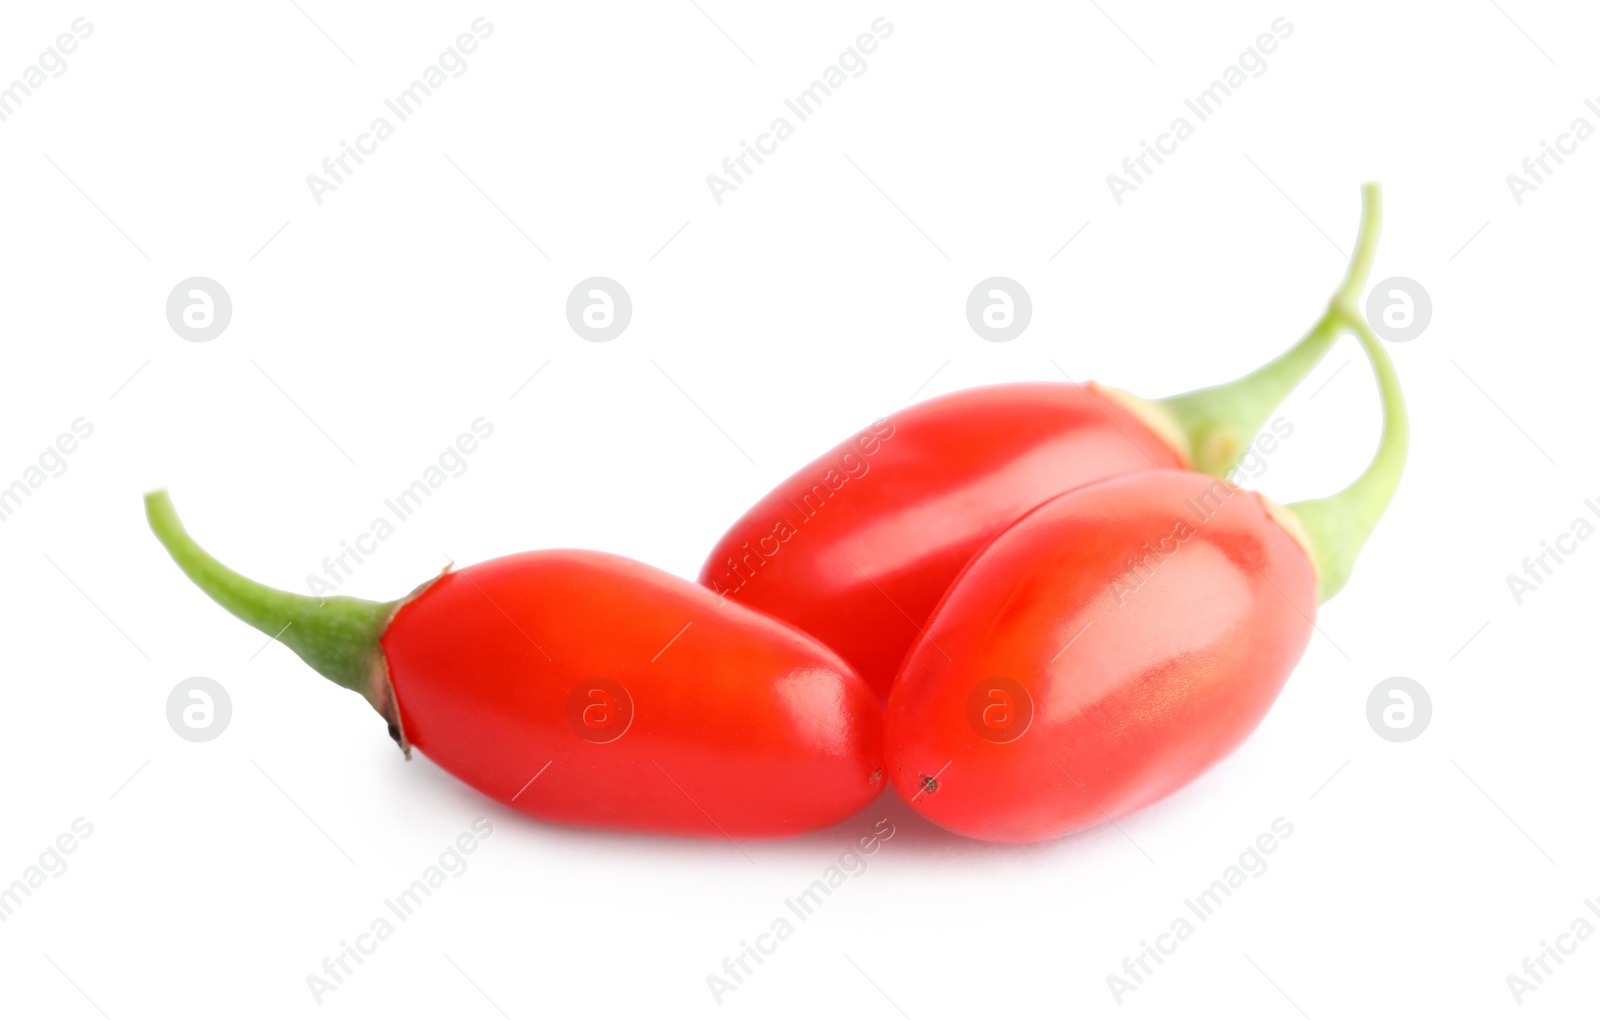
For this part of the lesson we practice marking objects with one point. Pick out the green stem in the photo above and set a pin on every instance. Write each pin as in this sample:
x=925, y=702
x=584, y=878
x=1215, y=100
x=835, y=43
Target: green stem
x=337, y=637
x=1338, y=526
x=1220, y=421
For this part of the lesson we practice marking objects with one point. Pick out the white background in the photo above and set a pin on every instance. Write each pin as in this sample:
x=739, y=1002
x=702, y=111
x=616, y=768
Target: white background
x=371, y=329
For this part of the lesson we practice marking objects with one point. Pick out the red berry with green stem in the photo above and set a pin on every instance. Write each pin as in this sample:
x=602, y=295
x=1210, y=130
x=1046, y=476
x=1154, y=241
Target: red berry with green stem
x=858, y=546
x=1121, y=639
x=589, y=689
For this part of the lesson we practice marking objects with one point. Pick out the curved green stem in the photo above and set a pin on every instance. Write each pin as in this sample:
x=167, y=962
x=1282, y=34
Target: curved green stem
x=1338, y=526
x=1220, y=421
x=1348, y=295
x=337, y=637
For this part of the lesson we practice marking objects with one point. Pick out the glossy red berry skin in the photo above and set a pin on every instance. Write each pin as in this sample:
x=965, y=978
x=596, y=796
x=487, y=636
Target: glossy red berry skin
x=856, y=547
x=1098, y=655
x=637, y=699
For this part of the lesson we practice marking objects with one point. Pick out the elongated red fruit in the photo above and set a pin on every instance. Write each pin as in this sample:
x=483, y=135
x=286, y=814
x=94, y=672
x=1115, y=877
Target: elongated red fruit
x=862, y=565
x=1098, y=655
x=589, y=689
x=858, y=546
x=1119, y=640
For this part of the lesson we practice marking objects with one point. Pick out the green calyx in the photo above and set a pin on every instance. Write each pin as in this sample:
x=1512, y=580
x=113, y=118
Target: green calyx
x=338, y=636
x=1219, y=422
